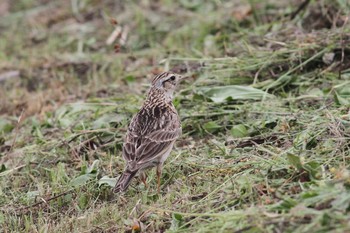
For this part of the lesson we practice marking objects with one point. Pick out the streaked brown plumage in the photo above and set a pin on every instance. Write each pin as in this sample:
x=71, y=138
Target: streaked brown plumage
x=152, y=131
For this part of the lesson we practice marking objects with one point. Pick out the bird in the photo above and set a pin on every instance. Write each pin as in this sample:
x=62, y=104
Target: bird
x=152, y=132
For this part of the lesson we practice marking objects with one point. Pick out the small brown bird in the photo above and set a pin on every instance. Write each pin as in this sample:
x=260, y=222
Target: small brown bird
x=152, y=132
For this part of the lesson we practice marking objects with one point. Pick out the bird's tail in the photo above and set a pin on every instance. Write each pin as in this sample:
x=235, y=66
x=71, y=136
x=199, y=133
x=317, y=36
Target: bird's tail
x=124, y=181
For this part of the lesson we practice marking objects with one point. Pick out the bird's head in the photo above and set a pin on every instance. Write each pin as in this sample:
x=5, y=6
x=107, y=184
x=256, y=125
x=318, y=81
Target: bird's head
x=166, y=82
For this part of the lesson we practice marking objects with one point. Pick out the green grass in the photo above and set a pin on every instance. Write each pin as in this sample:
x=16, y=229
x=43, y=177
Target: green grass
x=265, y=116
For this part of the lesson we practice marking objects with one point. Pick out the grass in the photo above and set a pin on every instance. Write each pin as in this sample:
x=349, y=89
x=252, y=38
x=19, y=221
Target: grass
x=265, y=115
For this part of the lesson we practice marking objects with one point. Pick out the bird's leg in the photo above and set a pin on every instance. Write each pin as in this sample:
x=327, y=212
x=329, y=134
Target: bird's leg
x=159, y=175
x=143, y=178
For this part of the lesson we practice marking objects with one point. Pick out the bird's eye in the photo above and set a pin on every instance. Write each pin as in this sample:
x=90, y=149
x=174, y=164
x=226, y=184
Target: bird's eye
x=172, y=78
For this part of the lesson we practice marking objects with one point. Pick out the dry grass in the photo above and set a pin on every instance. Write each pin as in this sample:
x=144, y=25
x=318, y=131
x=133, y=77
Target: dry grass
x=265, y=112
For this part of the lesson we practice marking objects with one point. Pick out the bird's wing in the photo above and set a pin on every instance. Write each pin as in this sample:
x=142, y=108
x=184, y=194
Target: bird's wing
x=156, y=144
x=147, y=138
x=129, y=146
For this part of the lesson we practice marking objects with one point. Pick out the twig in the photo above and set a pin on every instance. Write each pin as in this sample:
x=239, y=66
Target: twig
x=245, y=229
x=254, y=140
x=211, y=114
x=342, y=46
x=124, y=36
x=114, y=35
x=278, y=221
x=5, y=173
x=300, y=8
x=9, y=74
x=44, y=201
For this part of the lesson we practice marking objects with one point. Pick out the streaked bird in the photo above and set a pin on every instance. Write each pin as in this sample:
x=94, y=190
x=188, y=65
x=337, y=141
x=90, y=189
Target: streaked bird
x=152, y=132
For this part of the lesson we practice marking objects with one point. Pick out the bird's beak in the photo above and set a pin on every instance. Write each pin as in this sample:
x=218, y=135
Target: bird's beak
x=183, y=77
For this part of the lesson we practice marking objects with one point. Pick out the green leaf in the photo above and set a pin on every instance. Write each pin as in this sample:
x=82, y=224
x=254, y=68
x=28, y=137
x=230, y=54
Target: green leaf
x=341, y=202
x=105, y=120
x=191, y=4
x=305, y=139
x=85, y=169
x=326, y=219
x=3, y=168
x=211, y=126
x=342, y=94
x=177, y=216
x=308, y=194
x=68, y=198
x=313, y=168
x=294, y=160
x=5, y=126
x=177, y=221
x=108, y=181
x=341, y=100
x=86, y=174
x=130, y=79
x=81, y=180
x=38, y=133
x=2, y=218
x=280, y=82
x=286, y=204
x=32, y=194
x=233, y=92
x=239, y=131
x=83, y=201
x=93, y=168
